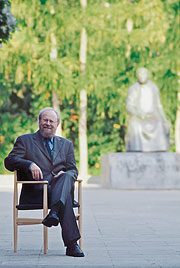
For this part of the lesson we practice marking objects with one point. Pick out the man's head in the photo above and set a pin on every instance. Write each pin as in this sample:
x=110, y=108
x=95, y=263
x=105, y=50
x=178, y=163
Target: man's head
x=48, y=120
x=142, y=75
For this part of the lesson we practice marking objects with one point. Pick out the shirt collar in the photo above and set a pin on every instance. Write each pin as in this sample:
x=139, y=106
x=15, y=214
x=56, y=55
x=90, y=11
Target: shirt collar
x=50, y=139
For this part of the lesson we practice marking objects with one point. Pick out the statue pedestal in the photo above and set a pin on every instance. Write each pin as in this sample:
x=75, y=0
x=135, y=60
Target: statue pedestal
x=132, y=170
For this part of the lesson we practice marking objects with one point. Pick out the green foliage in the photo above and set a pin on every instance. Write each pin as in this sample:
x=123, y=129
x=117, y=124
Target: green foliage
x=7, y=21
x=122, y=36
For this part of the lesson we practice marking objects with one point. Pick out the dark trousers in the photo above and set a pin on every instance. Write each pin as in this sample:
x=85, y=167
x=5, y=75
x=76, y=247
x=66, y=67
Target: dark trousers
x=60, y=190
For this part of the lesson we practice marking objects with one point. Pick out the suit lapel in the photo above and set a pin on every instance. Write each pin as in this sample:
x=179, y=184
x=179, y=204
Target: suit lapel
x=57, y=146
x=39, y=143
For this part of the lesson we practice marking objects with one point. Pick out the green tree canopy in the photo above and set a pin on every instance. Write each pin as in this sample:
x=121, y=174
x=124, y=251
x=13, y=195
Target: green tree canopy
x=122, y=36
x=7, y=21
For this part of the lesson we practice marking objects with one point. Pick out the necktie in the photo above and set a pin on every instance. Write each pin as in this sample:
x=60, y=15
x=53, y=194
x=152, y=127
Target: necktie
x=47, y=142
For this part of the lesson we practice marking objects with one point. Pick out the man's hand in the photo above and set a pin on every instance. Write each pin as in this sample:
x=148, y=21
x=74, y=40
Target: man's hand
x=36, y=172
x=59, y=173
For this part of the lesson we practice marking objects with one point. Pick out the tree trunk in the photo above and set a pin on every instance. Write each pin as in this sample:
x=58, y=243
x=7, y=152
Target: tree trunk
x=56, y=108
x=83, y=148
x=53, y=56
x=83, y=136
x=177, y=126
x=83, y=3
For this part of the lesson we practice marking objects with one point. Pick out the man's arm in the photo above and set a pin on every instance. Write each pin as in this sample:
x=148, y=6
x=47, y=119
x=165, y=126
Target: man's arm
x=16, y=160
x=71, y=162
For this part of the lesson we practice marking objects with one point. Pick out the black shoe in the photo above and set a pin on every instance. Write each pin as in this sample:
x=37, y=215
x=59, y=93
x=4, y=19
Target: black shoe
x=51, y=219
x=74, y=250
x=76, y=204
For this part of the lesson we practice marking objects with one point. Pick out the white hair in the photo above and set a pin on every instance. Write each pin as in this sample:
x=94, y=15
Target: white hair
x=49, y=109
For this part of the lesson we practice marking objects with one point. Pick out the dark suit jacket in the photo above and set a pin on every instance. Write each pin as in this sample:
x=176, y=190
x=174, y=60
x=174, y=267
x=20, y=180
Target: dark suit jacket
x=30, y=148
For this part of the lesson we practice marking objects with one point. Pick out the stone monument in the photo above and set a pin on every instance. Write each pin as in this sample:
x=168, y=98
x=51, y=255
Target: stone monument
x=148, y=128
x=146, y=164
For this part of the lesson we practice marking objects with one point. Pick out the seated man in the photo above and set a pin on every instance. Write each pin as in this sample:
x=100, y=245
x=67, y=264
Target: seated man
x=44, y=156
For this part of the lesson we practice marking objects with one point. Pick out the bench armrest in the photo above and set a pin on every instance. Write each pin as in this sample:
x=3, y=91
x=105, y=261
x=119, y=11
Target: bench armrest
x=32, y=182
x=78, y=180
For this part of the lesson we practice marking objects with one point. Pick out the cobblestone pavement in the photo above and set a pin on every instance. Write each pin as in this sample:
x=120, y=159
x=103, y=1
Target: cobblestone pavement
x=121, y=229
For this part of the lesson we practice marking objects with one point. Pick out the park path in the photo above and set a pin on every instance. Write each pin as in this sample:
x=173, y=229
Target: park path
x=121, y=229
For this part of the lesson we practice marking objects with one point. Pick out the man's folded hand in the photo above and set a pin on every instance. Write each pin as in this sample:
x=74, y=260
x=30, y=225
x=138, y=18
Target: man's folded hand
x=59, y=173
x=36, y=172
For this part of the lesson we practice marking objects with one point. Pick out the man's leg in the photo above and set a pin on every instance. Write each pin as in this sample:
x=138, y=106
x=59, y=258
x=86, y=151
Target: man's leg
x=61, y=205
x=62, y=208
x=60, y=188
x=70, y=230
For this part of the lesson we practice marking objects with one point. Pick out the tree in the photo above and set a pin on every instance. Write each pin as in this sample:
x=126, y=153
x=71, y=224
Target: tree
x=53, y=56
x=122, y=36
x=28, y=75
x=83, y=147
x=7, y=21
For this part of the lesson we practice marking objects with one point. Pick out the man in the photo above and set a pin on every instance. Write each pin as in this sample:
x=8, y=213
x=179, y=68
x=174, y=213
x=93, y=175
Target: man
x=44, y=156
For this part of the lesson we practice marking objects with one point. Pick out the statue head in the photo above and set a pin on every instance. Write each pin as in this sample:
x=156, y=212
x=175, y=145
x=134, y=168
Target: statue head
x=142, y=75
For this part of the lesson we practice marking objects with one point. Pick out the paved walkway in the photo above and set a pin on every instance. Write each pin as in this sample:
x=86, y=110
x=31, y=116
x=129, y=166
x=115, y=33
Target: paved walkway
x=121, y=229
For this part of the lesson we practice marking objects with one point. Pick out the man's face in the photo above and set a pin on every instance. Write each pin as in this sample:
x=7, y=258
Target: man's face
x=48, y=124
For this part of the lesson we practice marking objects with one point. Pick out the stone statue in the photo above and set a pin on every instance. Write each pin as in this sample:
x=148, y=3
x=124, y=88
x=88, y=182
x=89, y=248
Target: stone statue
x=148, y=128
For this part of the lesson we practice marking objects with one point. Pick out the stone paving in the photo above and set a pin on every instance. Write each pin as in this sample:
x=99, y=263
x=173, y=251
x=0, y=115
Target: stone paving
x=121, y=229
